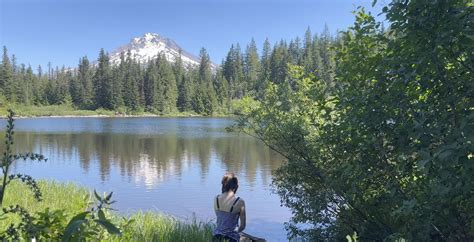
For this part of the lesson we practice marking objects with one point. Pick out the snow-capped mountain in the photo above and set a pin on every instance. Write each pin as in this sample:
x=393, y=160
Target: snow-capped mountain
x=150, y=45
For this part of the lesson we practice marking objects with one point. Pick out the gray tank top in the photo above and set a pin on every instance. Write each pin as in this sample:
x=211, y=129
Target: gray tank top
x=227, y=221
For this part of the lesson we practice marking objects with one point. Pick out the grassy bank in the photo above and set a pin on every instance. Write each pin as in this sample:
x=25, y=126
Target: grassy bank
x=52, y=110
x=68, y=110
x=72, y=199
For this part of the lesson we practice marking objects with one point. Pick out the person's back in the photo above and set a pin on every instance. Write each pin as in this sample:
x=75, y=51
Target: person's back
x=229, y=208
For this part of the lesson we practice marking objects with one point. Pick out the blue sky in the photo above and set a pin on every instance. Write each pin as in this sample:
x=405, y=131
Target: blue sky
x=62, y=31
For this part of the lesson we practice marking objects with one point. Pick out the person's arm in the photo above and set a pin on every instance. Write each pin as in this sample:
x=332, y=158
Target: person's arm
x=215, y=205
x=242, y=217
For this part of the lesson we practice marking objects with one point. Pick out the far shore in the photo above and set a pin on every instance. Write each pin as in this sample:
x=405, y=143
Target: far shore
x=63, y=111
x=118, y=116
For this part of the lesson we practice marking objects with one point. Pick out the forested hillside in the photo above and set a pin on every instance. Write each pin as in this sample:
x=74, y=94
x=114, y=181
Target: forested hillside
x=162, y=87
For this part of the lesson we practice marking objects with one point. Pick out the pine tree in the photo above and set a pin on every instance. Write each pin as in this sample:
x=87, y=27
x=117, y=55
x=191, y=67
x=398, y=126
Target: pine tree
x=76, y=90
x=151, y=85
x=118, y=73
x=62, y=95
x=317, y=64
x=308, y=51
x=328, y=64
x=84, y=78
x=265, y=68
x=103, y=83
x=30, y=86
x=183, y=101
x=6, y=70
x=222, y=92
x=21, y=84
x=206, y=99
x=167, y=81
x=6, y=75
x=229, y=70
x=251, y=66
x=186, y=92
x=131, y=89
x=279, y=62
x=38, y=87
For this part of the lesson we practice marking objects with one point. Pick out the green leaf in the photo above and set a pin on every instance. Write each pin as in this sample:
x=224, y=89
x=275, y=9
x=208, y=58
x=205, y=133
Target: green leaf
x=97, y=196
x=101, y=215
x=109, y=226
x=109, y=196
x=73, y=225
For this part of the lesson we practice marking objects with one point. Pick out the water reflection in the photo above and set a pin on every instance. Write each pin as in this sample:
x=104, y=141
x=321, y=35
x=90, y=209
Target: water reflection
x=171, y=165
x=153, y=157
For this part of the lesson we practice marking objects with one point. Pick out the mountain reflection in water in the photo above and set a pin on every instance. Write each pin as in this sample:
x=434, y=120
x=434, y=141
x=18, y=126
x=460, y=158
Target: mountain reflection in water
x=173, y=165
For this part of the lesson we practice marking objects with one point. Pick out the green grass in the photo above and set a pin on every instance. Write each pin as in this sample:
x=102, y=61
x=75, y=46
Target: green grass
x=52, y=110
x=68, y=110
x=73, y=199
x=61, y=196
x=149, y=226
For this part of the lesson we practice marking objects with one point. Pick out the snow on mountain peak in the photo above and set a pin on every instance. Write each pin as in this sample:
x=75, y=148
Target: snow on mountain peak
x=148, y=46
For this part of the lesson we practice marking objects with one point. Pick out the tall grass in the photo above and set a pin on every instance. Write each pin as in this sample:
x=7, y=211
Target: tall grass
x=150, y=226
x=73, y=199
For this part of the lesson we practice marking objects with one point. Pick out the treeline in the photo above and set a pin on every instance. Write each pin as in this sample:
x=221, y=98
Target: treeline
x=160, y=86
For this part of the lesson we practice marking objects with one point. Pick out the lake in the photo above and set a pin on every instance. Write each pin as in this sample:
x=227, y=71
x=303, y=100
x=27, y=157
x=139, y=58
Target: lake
x=170, y=165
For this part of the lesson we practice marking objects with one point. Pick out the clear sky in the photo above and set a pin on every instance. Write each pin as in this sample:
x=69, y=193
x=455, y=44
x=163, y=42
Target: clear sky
x=62, y=31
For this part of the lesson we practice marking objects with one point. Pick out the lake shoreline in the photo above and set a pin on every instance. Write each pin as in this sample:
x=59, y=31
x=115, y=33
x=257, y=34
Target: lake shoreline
x=118, y=116
x=66, y=111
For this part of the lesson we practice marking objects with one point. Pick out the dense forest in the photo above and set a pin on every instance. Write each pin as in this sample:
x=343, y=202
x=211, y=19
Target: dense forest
x=162, y=87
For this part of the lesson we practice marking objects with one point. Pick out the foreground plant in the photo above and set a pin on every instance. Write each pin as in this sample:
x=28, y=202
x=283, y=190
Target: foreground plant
x=9, y=158
x=48, y=224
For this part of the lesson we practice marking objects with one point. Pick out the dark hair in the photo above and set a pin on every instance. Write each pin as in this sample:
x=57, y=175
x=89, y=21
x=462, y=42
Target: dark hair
x=229, y=182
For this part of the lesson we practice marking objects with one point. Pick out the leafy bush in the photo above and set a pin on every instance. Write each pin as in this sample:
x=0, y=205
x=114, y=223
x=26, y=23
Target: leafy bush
x=387, y=153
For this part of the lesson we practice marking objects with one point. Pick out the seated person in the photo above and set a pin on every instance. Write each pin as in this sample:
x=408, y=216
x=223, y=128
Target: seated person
x=229, y=208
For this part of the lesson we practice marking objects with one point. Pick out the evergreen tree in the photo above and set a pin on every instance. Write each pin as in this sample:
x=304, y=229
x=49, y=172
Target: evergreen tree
x=328, y=64
x=251, y=65
x=76, y=90
x=131, y=89
x=294, y=51
x=30, y=86
x=168, y=88
x=84, y=78
x=62, y=86
x=278, y=62
x=6, y=76
x=118, y=77
x=205, y=98
x=228, y=69
x=103, y=83
x=6, y=71
x=317, y=64
x=184, y=86
x=265, y=67
x=240, y=83
x=38, y=88
x=151, y=83
x=21, y=84
x=308, y=52
x=222, y=92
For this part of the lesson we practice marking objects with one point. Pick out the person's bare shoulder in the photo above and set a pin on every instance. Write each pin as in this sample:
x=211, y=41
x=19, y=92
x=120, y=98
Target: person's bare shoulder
x=240, y=203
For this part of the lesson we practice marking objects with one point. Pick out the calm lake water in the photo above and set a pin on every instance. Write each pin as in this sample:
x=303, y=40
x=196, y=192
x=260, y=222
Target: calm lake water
x=171, y=165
